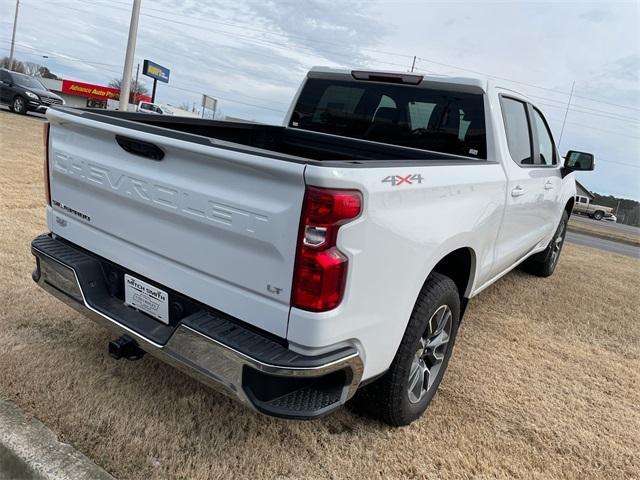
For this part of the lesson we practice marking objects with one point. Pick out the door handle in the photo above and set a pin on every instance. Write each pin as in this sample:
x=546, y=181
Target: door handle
x=140, y=148
x=518, y=191
x=548, y=185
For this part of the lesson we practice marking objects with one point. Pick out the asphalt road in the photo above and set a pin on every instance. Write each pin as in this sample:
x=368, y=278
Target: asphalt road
x=602, y=244
x=620, y=227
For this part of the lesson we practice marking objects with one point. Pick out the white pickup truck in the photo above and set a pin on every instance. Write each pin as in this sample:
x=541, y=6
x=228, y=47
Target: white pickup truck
x=291, y=266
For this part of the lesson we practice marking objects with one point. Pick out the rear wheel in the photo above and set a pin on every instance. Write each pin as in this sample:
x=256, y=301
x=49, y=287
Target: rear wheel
x=19, y=105
x=543, y=264
x=598, y=215
x=403, y=393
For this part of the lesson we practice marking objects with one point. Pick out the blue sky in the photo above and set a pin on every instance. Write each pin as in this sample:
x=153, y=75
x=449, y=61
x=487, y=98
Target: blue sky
x=252, y=55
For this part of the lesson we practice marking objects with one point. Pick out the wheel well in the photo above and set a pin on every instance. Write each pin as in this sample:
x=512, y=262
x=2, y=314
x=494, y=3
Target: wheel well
x=458, y=266
x=569, y=206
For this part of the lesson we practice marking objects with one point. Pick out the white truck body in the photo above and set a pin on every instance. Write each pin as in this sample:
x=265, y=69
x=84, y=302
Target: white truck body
x=218, y=222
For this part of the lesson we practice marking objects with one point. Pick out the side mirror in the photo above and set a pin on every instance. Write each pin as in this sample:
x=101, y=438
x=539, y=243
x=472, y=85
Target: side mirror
x=577, y=162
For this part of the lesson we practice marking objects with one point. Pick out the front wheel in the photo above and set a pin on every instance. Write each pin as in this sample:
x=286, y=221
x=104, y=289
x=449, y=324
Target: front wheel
x=543, y=264
x=403, y=393
x=19, y=105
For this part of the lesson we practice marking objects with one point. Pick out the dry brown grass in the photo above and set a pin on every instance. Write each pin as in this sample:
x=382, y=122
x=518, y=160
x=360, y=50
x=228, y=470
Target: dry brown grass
x=605, y=231
x=544, y=382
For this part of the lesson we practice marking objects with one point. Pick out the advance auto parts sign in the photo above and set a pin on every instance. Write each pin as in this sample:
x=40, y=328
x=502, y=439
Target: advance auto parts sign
x=97, y=92
x=88, y=90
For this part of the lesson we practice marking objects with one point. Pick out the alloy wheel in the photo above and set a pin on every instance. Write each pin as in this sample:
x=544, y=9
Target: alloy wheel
x=556, y=245
x=430, y=354
x=18, y=105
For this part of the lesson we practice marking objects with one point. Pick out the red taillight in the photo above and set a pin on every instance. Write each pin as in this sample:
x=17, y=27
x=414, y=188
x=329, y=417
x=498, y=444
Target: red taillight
x=321, y=269
x=45, y=139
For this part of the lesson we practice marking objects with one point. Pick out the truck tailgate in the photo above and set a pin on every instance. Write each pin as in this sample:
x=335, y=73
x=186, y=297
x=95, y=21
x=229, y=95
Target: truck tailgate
x=217, y=225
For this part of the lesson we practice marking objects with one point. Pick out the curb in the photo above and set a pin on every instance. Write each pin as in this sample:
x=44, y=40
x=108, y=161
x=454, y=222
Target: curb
x=29, y=450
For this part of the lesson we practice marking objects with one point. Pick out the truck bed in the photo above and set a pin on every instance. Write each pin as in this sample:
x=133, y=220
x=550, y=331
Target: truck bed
x=286, y=143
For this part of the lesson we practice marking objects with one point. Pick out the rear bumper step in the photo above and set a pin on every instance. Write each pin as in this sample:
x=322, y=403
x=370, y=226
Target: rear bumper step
x=214, y=348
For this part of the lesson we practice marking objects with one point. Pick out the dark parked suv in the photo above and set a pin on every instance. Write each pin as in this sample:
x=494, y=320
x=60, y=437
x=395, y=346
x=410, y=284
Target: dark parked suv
x=24, y=93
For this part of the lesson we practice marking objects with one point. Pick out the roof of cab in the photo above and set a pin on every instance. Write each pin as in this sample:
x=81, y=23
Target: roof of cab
x=468, y=81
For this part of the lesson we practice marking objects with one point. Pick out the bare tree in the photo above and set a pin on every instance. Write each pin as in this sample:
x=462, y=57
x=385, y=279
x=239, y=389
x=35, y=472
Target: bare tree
x=18, y=66
x=137, y=89
x=44, y=72
x=31, y=68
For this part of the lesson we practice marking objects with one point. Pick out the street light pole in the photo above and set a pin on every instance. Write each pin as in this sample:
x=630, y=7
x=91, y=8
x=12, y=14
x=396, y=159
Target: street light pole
x=13, y=36
x=125, y=85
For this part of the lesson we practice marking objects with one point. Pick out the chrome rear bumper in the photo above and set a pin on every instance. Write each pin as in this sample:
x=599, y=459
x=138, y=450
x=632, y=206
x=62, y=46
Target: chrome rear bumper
x=207, y=345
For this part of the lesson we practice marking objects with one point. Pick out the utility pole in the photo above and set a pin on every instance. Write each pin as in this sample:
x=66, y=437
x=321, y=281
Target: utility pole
x=13, y=36
x=566, y=113
x=414, y=63
x=125, y=85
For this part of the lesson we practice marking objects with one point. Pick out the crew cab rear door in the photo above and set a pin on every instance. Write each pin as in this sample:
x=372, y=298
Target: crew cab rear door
x=526, y=220
x=210, y=222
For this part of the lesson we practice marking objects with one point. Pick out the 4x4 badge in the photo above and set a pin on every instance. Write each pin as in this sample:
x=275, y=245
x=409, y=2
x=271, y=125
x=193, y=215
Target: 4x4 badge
x=396, y=180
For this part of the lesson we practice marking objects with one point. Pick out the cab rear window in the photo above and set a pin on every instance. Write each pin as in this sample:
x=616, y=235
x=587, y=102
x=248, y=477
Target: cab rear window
x=409, y=116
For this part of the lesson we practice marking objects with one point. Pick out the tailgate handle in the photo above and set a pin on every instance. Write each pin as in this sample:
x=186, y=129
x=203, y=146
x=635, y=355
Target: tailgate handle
x=140, y=148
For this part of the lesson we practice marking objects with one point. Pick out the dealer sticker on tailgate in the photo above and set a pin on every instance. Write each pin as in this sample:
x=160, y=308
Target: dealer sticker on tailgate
x=146, y=298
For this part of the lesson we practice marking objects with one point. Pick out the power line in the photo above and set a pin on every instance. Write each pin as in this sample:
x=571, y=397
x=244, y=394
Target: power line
x=612, y=117
x=526, y=84
x=255, y=29
x=226, y=98
x=50, y=54
x=254, y=40
x=619, y=163
x=590, y=127
x=309, y=50
x=187, y=88
x=584, y=109
x=190, y=88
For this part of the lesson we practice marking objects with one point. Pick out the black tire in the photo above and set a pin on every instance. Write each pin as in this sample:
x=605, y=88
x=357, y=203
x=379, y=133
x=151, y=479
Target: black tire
x=388, y=398
x=598, y=215
x=19, y=105
x=543, y=264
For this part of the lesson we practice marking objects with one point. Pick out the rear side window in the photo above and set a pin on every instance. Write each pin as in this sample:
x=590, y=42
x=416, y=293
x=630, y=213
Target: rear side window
x=516, y=125
x=404, y=115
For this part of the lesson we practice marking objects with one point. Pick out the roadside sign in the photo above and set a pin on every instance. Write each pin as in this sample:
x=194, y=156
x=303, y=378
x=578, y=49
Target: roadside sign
x=209, y=104
x=155, y=71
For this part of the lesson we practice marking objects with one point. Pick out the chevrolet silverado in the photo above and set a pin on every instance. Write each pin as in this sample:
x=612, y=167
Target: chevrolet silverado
x=296, y=266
